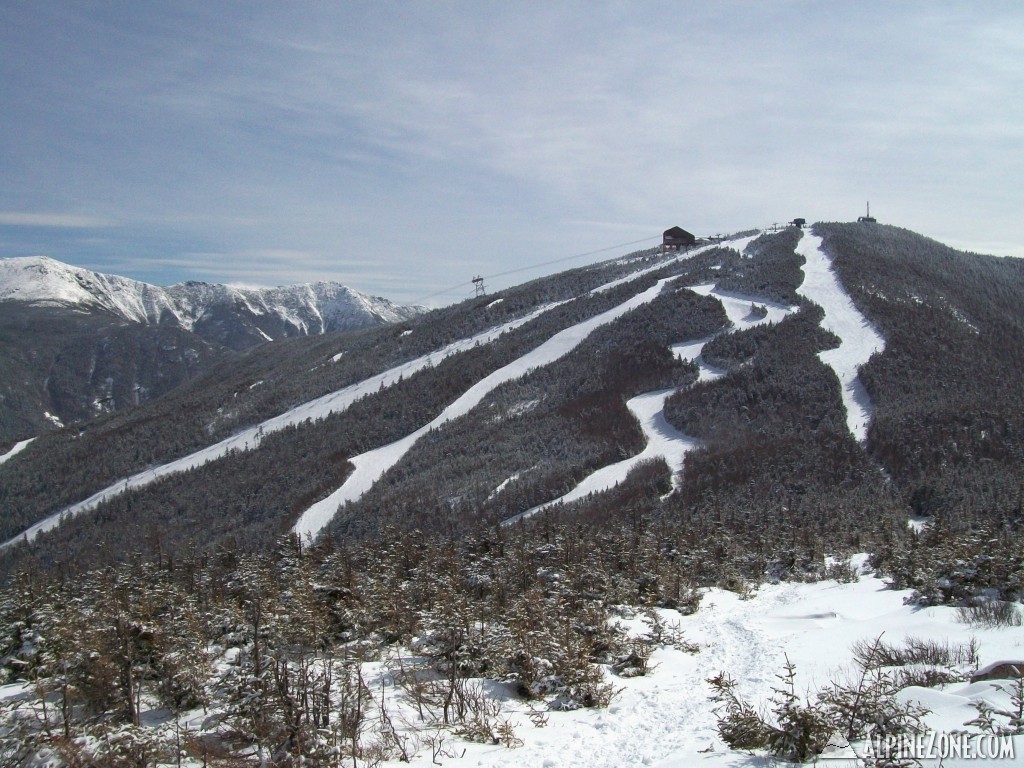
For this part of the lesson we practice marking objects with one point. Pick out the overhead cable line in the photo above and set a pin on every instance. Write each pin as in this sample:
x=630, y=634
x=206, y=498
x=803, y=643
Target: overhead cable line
x=536, y=266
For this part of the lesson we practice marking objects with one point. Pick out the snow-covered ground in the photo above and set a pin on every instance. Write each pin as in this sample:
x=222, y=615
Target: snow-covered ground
x=737, y=245
x=371, y=466
x=860, y=339
x=663, y=440
x=311, y=308
x=368, y=470
x=666, y=720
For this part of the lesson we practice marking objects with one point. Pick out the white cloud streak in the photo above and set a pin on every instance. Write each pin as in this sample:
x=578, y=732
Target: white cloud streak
x=57, y=220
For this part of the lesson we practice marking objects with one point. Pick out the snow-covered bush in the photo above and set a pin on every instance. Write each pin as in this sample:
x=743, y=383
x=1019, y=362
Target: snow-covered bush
x=800, y=729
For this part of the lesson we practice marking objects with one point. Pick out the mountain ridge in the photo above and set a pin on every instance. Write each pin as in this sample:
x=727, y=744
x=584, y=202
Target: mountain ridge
x=776, y=434
x=308, y=308
x=76, y=343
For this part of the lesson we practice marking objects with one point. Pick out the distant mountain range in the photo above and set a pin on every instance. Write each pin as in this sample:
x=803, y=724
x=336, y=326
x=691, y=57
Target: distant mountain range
x=76, y=343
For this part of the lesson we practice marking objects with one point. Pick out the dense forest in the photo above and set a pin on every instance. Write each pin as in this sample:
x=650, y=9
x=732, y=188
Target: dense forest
x=949, y=405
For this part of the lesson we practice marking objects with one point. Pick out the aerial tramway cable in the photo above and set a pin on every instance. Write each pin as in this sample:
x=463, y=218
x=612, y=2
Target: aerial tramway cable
x=535, y=266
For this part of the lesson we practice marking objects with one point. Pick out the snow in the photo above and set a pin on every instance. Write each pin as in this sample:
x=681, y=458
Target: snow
x=738, y=245
x=665, y=719
x=502, y=485
x=249, y=439
x=1017, y=662
x=917, y=523
x=18, y=448
x=859, y=338
x=663, y=440
x=859, y=341
x=308, y=308
x=20, y=279
x=371, y=466
x=41, y=280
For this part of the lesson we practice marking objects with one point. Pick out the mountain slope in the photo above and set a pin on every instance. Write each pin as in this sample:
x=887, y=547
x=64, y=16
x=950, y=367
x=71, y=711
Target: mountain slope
x=78, y=343
x=774, y=412
x=61, y=366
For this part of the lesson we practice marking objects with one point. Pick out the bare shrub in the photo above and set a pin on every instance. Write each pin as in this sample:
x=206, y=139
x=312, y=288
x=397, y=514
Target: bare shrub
x=987, y=719
x=990, y=614
x=915, y=650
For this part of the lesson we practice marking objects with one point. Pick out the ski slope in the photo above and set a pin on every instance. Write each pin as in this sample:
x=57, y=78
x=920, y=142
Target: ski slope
x=663, y=440
x=858, y=337
x=15, y=450
x=371, y=466
x=331, y=403
x=250, y=438
x=859, y=340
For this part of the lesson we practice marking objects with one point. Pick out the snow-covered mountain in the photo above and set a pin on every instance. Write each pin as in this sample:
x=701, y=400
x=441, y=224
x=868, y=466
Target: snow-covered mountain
x=75, y=344
x=235, y=317
x=840, y=373
x=604, y=491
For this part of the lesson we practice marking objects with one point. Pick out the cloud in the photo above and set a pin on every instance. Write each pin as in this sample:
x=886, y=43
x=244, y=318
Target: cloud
x=56, y=220
x=405, y=147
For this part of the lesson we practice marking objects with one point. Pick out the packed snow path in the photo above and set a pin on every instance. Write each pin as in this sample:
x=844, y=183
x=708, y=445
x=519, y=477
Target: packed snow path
x=858, y=338
x=371, y=466
x=663, y=440
x=666, y=720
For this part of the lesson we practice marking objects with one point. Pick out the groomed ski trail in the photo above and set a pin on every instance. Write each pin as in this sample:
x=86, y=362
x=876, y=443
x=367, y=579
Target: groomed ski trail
x=663, y=440
x=326, y=405
x=15, y=450
x=371, y=466
x=858, y=337
x=250, y=438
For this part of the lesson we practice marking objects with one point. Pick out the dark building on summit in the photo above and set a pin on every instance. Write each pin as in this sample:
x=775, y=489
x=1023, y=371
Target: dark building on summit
x=676, y=239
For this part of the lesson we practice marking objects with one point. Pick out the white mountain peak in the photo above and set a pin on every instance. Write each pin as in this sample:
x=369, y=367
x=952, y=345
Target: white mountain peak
x=295, y=310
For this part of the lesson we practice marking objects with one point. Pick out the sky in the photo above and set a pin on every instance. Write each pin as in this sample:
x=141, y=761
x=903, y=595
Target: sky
x=403, y=148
